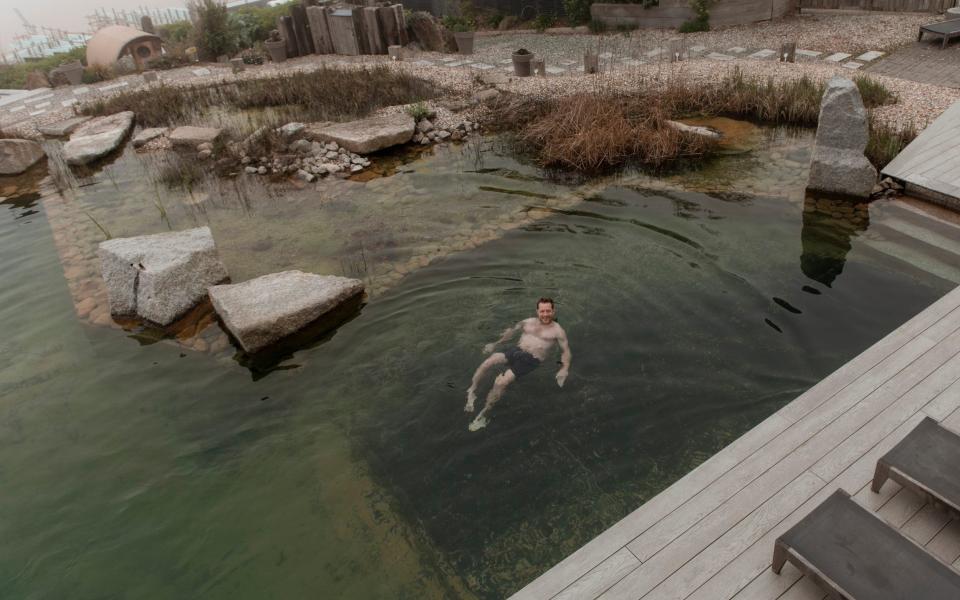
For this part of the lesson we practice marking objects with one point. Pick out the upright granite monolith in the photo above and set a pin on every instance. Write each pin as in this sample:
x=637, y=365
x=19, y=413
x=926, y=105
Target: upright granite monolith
x=343, y=33
x=371, y=29
x=300, y=26
x=838, y=165
x=285, y=25
x=388, y=26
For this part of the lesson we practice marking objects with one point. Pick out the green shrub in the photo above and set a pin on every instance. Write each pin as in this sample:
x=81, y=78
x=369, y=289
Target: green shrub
x=701, y=20
x=873, y=92
x=493, y=19
x=15, y=76
x=544, y=21
x=508, y=22
x=597, y=27
x=578, y=11
x=458, y=24
x=178, y=32
x=167, y=61
x=214, y=36
x=418, y=110
x=252, y=25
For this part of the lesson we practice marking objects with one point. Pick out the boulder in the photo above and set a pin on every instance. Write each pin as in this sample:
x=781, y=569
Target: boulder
x=97, y=137
x=838, y=165
x=148, y=135
x=426, y=32
x=695, y=129
x=160, y=277
x=191, y=137
x=36, y=80
x=16, y=156
x=62, y=128
x=262, y=311
x=366, y=135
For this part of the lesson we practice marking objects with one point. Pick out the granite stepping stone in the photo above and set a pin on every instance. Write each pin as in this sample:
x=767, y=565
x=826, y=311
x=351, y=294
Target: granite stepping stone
x=837, y=57
x=852, y=65
x=736, y=50
x=763, y=54
x=869, y=56
x=808, y=53
x=261, y=312
x=160, y=277
x=718, y=56
x=97, y=138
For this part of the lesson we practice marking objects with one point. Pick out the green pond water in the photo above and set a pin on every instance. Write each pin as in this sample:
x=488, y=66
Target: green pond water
x=696, y=304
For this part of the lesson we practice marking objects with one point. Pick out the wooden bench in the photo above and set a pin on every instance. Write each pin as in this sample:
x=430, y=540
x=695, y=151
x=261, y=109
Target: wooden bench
x=851, y=553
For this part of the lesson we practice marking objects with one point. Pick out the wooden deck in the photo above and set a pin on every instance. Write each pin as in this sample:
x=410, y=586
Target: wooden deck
x=710, y=535
x=930, y=164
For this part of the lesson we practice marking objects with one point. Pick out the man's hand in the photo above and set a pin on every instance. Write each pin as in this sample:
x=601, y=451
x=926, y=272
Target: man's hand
x=489, y=348
x=561, y=377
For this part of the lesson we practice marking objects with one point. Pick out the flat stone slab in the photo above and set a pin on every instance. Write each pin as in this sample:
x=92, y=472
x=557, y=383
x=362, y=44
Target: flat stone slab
x=869, y=56
x=736, y=50
x=97, y=138
x=852, y=65
x=148, y=135
x=189, y=136
x=808, y=53
x=555, y=70
x=718, y=56
x=160, y=277
x=16, y=156
x=262, y=311
x=62, y=128
x=366, y=135
x=763, y=54
x=837, y=57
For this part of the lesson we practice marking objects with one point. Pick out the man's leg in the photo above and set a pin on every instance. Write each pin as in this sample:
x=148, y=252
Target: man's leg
x=496, y=392
x=497, y=358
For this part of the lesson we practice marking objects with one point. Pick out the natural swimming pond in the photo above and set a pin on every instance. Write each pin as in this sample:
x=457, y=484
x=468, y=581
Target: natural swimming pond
x=149, y=470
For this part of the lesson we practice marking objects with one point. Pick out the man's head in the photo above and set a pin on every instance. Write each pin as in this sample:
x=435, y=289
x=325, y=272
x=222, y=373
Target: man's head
x=545, y=310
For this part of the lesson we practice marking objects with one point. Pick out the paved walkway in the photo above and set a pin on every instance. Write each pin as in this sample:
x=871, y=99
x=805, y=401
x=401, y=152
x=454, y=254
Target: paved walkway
x=923, y=62
x=710, y=535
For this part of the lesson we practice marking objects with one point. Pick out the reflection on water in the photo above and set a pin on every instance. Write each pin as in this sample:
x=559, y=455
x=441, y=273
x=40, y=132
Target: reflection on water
x=344, y=469
x=828, y=228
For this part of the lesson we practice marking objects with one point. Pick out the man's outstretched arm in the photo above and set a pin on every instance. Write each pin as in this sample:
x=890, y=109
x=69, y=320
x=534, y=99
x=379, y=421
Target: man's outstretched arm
x=508, y=333
x=565, y=358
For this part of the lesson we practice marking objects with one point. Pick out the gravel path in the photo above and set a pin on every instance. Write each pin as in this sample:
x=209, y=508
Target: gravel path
x=629, y=60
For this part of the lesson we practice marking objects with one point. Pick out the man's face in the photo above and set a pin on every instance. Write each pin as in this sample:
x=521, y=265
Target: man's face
x=545, y=313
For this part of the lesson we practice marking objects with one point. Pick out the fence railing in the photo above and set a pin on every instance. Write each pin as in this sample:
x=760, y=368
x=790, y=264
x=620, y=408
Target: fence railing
x=934, y=6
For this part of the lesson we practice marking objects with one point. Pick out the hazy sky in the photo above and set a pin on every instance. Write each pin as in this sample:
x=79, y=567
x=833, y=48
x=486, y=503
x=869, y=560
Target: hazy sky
x=63, y=14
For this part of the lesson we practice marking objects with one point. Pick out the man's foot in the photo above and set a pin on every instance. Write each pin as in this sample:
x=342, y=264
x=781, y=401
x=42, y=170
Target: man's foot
x=479, y=423
x=471, y=398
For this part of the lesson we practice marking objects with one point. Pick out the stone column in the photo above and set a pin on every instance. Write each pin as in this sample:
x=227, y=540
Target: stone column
x=371, y=29
x=319, y=30
x=146, y=24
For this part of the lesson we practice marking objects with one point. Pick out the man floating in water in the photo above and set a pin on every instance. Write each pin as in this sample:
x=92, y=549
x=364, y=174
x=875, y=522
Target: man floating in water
x=540, y=333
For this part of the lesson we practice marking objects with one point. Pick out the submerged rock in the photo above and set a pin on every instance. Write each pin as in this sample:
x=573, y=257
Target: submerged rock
x=366, y=135
x=838, y=164
x=694, y=129
x=16, y=156
x=160, y=277
x=97, y=138
x=262, y=311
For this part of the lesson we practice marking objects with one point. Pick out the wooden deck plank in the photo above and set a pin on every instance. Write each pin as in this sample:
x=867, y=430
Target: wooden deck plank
x=601, y=577
x=875, y=501
x=742, y=571
x=934, y=372
x=804, y=589
x=945, y=403
x=952, y=421
x=901, y=507
x=932, y=159
x=737, y=539
x=946, y=544
x=927, y=523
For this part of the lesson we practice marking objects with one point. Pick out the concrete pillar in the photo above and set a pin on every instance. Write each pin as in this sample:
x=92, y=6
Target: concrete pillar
x=343, y=34
x=319, y=30
x=304, y=41
x=401, y=24
x=388, y=26
x=359, y=29
x=371, y=29
x=285, y=25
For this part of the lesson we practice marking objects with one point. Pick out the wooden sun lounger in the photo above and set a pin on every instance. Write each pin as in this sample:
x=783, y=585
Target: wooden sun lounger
x=926, y=461
x=852, y=554
x=945, y=29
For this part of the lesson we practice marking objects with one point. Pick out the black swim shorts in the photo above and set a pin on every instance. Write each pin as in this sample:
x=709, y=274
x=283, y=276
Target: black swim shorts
x=521, y=362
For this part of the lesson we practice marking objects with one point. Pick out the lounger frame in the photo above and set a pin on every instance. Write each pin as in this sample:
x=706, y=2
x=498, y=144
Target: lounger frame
x=946, y=35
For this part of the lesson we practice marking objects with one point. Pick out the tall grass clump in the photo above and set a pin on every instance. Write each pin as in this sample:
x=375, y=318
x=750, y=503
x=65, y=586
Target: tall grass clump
x=590, y=133
x=886, y=142
x=873, y=92
x=327, y=94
